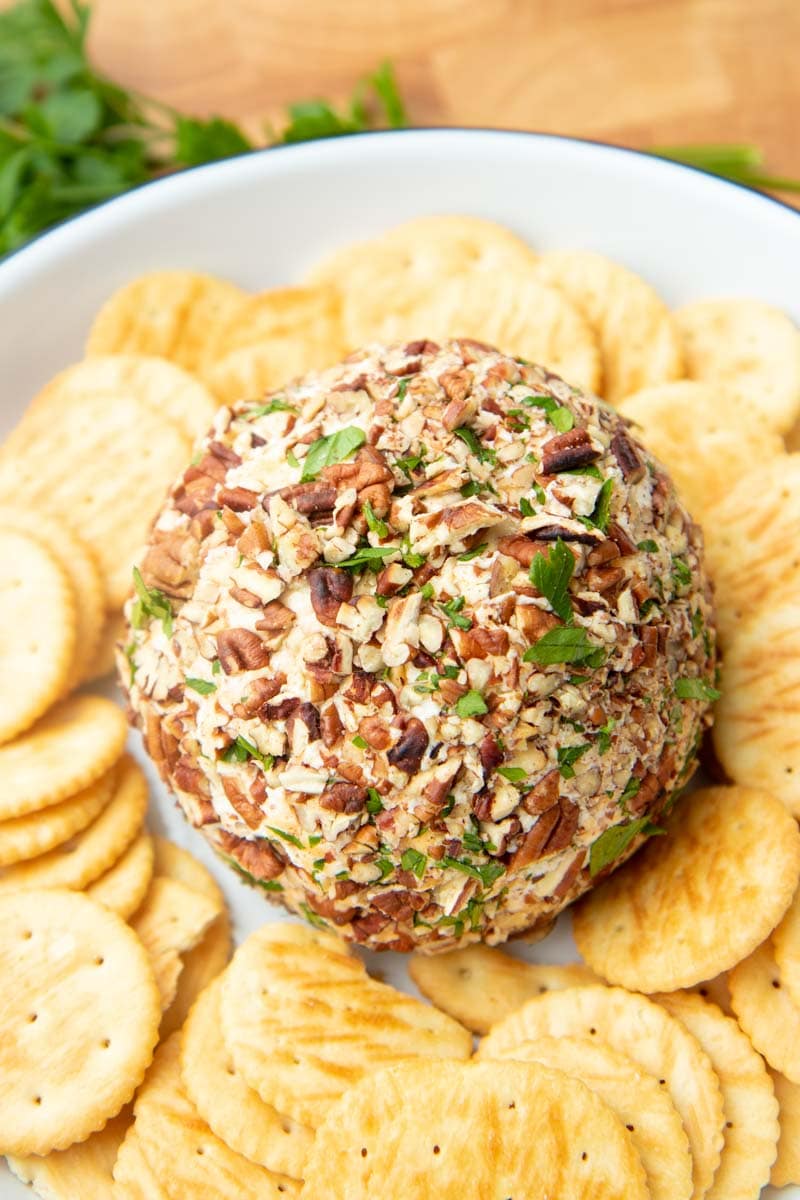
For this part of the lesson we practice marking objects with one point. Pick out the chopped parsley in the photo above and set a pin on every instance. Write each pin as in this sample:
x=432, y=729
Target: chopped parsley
x=604, y=736
x=681, y=573
x=470, y=439
x=385, y=867
x=471, y=704
x=129, y=652
x=243, y=749
x=648, y=546
x=402, y=386
x=333, y=448
x=203, y=686
x=474, y=553
x=313, y=918
x=695, y=689
x=525, y=507
x=265, y=410
x=697, y=623
x=472, y=488
x=452, y=610
x=412, y=461
x=567, y=644
x=359, y=742
x=560, y=418
x=449, y=805
x=426, y=591
x=602, y=508
x=267, y=885
x=613, y=843
x=367, y=556
x=414, y=861
x=410, y=556
x=630, y=790
x=374, y=524
x=567, y=755
x=292, y=458
x=591, y=469
x=374, y=802
x=216, y=667
x=286, y=837
x=551, y=576
x=150, y=602
x=513, y=774
x=487, y=873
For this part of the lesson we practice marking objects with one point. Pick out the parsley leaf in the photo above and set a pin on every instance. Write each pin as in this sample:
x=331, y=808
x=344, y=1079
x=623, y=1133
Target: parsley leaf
x=567, y=755
x=513, y=774
x=264, y=410
x=681, y=573
x=333, y=448
x=604, y=736
x=242, y=749
x=566, y=644
x=613, y=842
x=525, y=507
x=374, y=524
x=285, y=836
x=551, y=576
x=203, y=686
x=367, y=556
x=560, y=418
x=695, y=689
x=452, y=610
x=602, y=508
x=374, y=802
x=414, y=861
x=474, y=553
x=470, y=439
x=648, y=546
x=487, y=873
x=471, y=704
x=150, y=602
x=359, y=742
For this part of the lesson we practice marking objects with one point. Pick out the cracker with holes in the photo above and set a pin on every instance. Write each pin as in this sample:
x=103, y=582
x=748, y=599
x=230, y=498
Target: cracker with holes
x=85, y=857
x=751, y=536
x=647, y=1034
x=272, y=338
x=112, y=637
x=751, y=1110
x=786, y=945
x=79, y=1010
x=640, y=1102
x=479, y=985
x=765, y=1011
x=69, y=748
x=37, y=631
x=232, y=1109
x=756, y=733
x=170, y=1148
x=639, y=341
x=82, y=1171
x=35, y=833
x=303, y=1021
x=171, y=920
x=124, y=885
x=728, y=436
x=478, y=1129
x=696, y=901
x=200, y=965
x=169, y=314
x=749, y=346
x=100, y=460
x=786, y=1168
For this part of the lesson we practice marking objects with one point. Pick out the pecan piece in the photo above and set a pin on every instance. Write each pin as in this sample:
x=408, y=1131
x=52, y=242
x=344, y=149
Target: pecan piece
x=329, y=589
x=368, y=926
x=311, y=499
x=308, y=713
x=254, y=540
x=534, y=841
x=400, y=904
x=331, y=726
x=490, y=753
x=408, y=752
x=520, y=547
x=543, y=795
x=259, y=693
x=259, y=858
x=238, y=499
x=328, y=909
x=275, y=618
x=250, y=813
x=344, y=798
x=479, y=642
x=565, y=827
x=171, y=563
x=375, y=733
x=627, y=456
x=534, y=622
x=568, y=450
x=241, y=650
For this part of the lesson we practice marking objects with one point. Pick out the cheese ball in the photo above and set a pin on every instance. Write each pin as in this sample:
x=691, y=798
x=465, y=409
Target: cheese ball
x=423, y=644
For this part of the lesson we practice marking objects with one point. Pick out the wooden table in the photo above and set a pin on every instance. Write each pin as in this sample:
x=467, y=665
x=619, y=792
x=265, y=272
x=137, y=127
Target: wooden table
x=633, y=71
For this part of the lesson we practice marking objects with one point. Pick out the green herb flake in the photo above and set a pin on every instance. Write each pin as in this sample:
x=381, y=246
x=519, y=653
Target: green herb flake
x=374, y=802
x=367, y=556
x=204, y=686
x=286, y=837
x=567, y=644
x=150, y=602
x=471, y=704
x=470, y=440
x=216, y=667
x=242, y=749
x=475, y=553
x=613, y=842
x=411, y=463
x=697, y=623
x=604, y=736
x=648, y=546
x=266, y=410
x=426, y=591
x=315, y=839
x=513, y=774
x=333, y=448
x=414, y=861
x=359, y=742
x=567, y=755
x=450, y=804
x=695, y=689
x=525, y=507
x=630, y=790
x=402, y=386
x=129, y=652
x=385, y=867
x=681, y=572
x=292, y=459
x=551, y=575
x=560, y=418
x=591, y=469
x=313, y=918
x=472, y=488
x=452, y=610
x=602, y=508
x=374, y=524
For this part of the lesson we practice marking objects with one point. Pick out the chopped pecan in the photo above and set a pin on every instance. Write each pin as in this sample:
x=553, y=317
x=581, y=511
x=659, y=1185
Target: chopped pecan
x=254, y=540
x=392, y=579
x=344, y=798
x=189, y=778
x=482, y=805
x=490, y=753
x=309, y=714
x=479, y=642
x=329, y=589
x=231, y=522
x=603, y=579
x=570, y=876
x=259, y=858
x=237, y=498
x=368, y=926
x=345, y=888
x=618, y=535
x=520, y=547
x=451, y=690
x=399, y=903
x=224, y=454
x=367, y=468
x=275, y=617
x=328, y=909
x=408, y=752
x=375, y=733
x=543, y=795
x=565, y=827
x=603, y=553
x=361, y=686
x=282, y=710
x=627, y=456
x=258, y=693
x=250, y=813
x=567, y=533
x=534, y=622
x=421, y=346
x=568, y=450
x=532, y=845
x=311, y=498
x=331, y=726
x=171, y=563
x=241, y=650
x=649, y=642
x=248, y=599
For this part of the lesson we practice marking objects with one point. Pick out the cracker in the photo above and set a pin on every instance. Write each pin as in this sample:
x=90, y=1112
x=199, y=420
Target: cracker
x=37, y=631
x=272, y=338
x=752, y=348
x=112, y=634
x=697, y=901
x=201, y=965
x=303, y=1020
x=786, y=946
x=174, y=862
x=84, y=858
x=449, y=1130
x=786, y=1168
x=171, y=920
x=639, y=341
x=756, y=735
x=751, y=1110
x=81, y=1172
x=765, y=1011
x=36, y=833
x=479, y=985
x=639, y=1101
x=81, y=570
x=717, y=991
x=644, y=1031
x=728, y=436
x=173, y=1146
x=159, y=386
x=170, y=314
x=69, y=748
x=103, y=462
x=124, y=885
x=235, y=1112
x=79, y=1024
x=751, y=538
